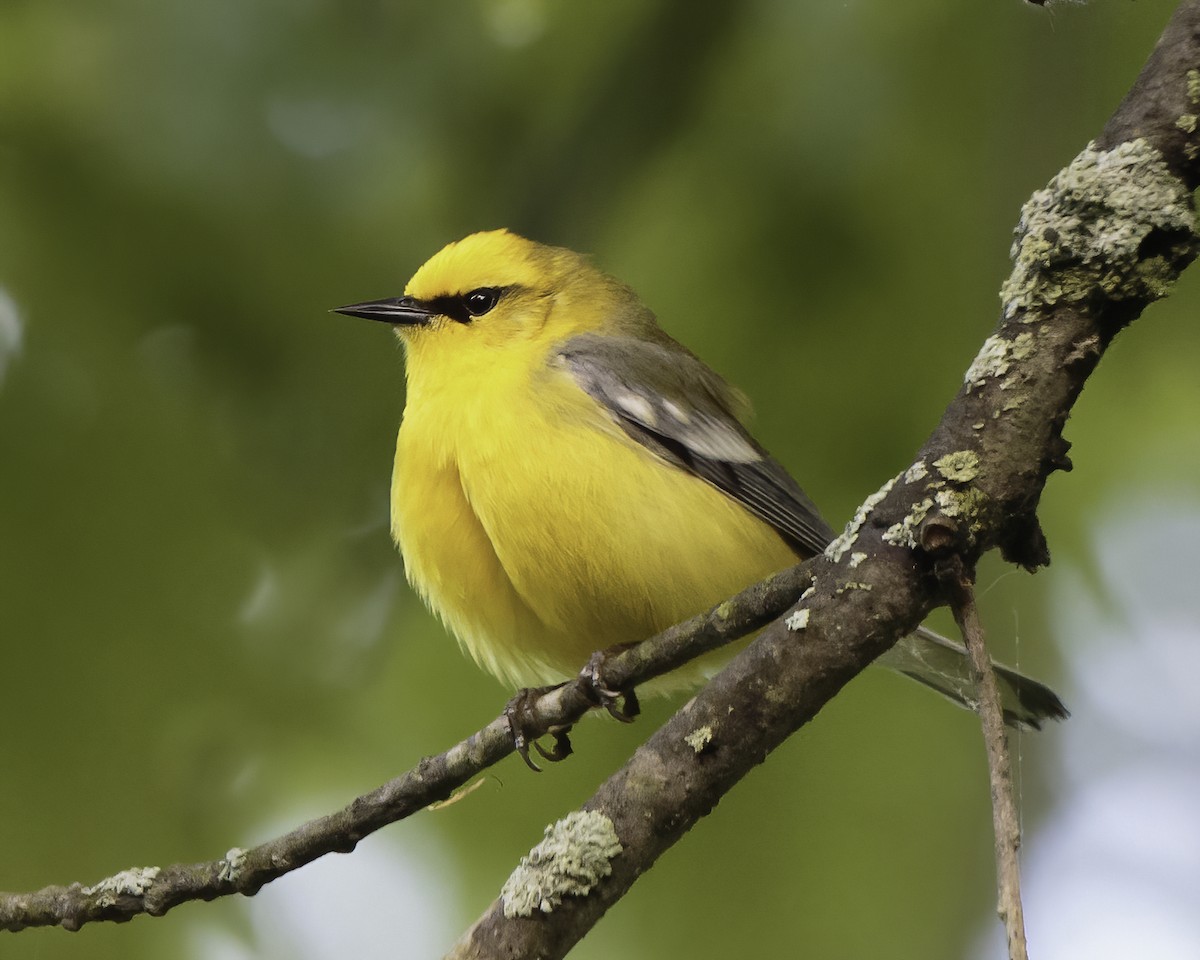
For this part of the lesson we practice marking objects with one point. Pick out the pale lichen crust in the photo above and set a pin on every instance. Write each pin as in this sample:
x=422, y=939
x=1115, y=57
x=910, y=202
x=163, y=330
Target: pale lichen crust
x=904, y=533
x=918, y=471
x=838, y=547
x=798, y=620
x=128, y=883
x=575, y=855
x=1082, y=235
x=995, y=357
x=231, y=866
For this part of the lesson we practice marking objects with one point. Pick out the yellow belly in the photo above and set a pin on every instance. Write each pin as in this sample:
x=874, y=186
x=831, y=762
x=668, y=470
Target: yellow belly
x=539, y=532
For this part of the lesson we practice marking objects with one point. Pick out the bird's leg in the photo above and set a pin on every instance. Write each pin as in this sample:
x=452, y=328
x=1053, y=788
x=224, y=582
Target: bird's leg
x=591, y=681
x=524, y=728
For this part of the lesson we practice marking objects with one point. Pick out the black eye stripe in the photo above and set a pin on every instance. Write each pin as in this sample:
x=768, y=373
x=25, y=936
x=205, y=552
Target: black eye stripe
x=451, y=306
x=465, y=307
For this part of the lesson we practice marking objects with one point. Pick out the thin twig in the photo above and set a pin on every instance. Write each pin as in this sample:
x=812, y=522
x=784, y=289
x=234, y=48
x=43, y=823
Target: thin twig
x=155, y=890
x=1005, y=824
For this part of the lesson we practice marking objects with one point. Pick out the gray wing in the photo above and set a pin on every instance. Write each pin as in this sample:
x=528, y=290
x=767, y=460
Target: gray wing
x=665, y=398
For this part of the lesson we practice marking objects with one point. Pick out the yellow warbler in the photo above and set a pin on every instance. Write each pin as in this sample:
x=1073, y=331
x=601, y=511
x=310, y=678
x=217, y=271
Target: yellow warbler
x=569, y=478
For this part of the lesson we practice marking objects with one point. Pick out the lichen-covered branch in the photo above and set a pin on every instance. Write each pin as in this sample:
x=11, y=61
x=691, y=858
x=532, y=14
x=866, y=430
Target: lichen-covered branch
x=155, y=890
x=1108, y=235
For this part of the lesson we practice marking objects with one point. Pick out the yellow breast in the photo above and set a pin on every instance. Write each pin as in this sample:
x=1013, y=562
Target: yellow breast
x=540, y=532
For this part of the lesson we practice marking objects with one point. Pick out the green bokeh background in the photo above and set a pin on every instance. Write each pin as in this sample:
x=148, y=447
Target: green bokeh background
x=204, y=631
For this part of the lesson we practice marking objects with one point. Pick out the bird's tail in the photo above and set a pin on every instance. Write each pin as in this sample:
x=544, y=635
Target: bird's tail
x=931, y=659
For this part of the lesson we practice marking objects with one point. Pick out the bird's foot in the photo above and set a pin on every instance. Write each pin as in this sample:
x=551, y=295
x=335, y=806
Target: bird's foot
x=523, y=726
x=525, y=729
x=591, y=682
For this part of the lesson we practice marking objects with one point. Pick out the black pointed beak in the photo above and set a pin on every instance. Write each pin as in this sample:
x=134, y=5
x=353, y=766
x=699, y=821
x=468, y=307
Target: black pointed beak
x=398, y=310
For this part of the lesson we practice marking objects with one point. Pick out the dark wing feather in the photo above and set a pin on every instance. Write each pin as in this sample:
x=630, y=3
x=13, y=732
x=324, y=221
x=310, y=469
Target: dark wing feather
x=669, y=401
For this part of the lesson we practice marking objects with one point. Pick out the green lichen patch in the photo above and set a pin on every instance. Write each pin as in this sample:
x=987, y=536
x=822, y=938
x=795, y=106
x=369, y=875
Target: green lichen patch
x=966, y=504
x=1186, y=122
x=1193, y=85
x=959, y=466
x=575, y=855
x=1022, y=346
x=699, y=738
x=1082, y=235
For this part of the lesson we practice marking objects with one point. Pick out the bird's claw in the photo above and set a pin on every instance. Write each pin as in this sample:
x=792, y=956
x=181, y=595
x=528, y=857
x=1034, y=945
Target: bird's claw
x=560, y=751
x=591, y=681
x=521, y=722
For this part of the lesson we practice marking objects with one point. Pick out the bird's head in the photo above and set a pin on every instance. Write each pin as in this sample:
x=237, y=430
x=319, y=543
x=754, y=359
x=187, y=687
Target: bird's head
x=495, y=289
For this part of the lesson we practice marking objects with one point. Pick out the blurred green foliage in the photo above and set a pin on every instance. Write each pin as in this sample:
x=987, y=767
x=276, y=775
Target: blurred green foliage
x=204, y=628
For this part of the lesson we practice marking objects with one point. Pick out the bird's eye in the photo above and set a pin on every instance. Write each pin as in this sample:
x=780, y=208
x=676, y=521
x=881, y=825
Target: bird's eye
x=478, y=302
